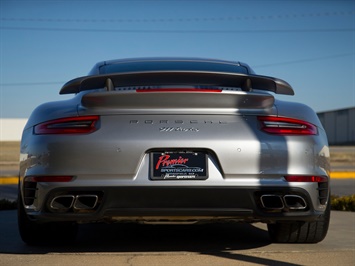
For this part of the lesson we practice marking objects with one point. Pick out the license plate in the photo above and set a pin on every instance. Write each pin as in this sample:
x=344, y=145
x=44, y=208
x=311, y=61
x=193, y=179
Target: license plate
x=178, y=166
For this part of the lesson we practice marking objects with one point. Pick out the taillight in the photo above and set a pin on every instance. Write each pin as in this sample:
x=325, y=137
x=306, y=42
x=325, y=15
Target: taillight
x=302, y=178
x=286, y=126
x=68, y=125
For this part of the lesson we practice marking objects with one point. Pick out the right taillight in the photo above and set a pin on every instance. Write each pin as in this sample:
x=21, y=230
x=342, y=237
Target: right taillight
x=68, y=125
x=286, y=126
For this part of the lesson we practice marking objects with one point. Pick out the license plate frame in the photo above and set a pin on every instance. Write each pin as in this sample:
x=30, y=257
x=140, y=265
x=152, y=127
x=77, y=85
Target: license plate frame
x=178, y=165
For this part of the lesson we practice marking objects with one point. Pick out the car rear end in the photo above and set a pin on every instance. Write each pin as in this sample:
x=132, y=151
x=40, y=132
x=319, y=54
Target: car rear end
x=175, y=154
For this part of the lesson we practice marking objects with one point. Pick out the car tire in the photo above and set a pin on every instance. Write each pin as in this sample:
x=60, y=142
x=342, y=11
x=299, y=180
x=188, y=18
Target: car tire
x=34, y=233
x=300, y=231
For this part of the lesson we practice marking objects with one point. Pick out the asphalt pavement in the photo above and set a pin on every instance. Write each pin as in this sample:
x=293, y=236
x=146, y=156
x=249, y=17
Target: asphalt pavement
x=215, y=244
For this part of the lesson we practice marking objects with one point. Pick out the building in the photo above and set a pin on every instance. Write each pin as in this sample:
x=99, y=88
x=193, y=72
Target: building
x=339, y=125
x=11, y=129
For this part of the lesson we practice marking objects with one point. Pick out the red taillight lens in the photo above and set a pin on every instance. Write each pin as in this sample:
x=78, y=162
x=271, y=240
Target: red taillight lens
x=49, y=178
x=286, y=126
x=68, y=125
x=301, y=178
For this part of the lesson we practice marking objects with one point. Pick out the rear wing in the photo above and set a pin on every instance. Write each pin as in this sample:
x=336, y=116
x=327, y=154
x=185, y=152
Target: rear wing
x=161, y=78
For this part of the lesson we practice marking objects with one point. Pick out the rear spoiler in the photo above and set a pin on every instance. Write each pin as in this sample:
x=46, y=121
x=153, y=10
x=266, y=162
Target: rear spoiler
x=160, y=78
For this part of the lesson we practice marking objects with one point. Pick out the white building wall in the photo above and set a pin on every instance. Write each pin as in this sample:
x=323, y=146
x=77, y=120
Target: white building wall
x=11, y=129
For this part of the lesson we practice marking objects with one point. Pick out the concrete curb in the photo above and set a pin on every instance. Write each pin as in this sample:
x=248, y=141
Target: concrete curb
x=12, y=180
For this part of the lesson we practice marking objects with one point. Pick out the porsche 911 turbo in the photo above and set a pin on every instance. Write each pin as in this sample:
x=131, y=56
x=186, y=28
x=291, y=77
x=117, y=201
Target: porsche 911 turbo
x=174, y=141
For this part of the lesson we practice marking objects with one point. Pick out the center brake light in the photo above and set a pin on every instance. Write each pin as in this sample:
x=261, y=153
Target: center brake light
x=183, y=89
x=286, y=126
x=68, y=125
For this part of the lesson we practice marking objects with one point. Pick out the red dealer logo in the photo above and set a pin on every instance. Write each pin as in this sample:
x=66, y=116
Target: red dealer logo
x=165, y=160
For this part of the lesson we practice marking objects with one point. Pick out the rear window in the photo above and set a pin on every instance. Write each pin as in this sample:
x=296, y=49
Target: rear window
x=176, y=65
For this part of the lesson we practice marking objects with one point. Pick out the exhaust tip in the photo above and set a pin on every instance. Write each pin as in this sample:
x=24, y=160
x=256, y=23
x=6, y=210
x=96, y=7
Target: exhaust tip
x=62, y=202
x=85, y=202
x=295, y=202
x=272, y=202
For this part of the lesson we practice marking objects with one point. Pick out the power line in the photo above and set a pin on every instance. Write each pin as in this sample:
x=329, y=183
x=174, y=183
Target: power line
x=193, y=19
x=304, y=60
x=180, y=31
x=32, y=83
x=256, y=66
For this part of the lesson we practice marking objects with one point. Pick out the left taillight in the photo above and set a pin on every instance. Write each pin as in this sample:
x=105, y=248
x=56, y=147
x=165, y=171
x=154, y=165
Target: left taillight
x=286, y=126
x=68, y=125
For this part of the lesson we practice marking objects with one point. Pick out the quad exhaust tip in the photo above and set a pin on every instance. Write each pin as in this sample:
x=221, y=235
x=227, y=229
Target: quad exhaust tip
x=272, y=202
x=63, y=202
x=295, y=202
x=78, y=202
x=85, y=202
x=278, y=202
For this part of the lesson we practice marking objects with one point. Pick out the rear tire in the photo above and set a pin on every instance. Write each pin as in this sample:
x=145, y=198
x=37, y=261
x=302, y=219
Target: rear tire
x=34, y=233
x=300, y=232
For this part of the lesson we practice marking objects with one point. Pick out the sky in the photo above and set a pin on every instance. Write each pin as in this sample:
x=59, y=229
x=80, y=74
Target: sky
x=308, y=43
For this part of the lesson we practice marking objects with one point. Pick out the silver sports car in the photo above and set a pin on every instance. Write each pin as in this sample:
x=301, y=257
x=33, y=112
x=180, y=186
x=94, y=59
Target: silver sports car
x=174, y=140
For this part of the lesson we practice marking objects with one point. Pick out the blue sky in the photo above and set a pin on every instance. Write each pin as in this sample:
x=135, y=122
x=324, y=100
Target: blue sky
x=310, y=44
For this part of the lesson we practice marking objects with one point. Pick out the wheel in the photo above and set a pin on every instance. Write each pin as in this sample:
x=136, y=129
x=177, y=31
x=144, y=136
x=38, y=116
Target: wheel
x=300, y=232
x=34, y=233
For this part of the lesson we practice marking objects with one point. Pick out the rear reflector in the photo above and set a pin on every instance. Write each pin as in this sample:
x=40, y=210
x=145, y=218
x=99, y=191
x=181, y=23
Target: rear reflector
x=48, y=178
x=68, y=125
x=296, y=178
x=286, y=126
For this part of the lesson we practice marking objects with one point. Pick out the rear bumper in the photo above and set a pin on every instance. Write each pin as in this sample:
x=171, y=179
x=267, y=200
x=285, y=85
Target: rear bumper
x=182, y=203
